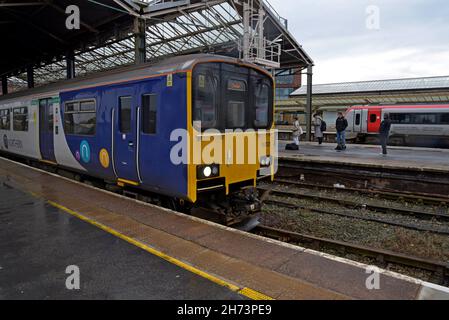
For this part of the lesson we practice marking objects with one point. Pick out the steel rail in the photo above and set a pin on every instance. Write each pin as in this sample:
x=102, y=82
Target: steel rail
x=414, y=181
x=357, y=217
x=390, y=195
x=439, y=269
x=354, y=204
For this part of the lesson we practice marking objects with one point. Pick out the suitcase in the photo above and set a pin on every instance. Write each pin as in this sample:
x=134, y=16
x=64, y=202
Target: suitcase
x=291, y=146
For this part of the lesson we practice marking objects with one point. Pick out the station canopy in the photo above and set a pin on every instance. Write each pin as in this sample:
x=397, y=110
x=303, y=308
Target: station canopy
x=34, y=34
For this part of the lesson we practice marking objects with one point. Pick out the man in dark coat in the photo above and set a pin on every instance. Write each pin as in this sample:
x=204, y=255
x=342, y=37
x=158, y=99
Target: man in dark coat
x=384, y=133
x=341, y=124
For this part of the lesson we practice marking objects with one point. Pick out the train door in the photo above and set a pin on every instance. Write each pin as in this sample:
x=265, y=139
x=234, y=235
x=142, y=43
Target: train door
x=46, y=129
x=125, y=139
x=358, y=121
x=374, y=119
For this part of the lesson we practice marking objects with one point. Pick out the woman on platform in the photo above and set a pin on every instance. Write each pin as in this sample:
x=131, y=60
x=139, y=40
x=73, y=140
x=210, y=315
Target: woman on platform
x=317, y=122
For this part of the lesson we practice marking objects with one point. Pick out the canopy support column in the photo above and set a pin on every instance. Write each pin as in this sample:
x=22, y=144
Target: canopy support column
x=309, y=103
x=30, y=76
x=4, y=85
x=70, y=59
x=139, y=40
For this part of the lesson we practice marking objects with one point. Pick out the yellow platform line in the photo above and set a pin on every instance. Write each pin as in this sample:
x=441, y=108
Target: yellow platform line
x=247, y=292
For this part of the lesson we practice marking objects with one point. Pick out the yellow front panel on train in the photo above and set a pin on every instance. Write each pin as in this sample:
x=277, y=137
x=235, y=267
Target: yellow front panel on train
x=237, y=154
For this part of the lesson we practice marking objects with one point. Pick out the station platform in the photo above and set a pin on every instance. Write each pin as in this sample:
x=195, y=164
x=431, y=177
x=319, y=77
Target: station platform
x=433, y=160
x=128, y=249
x=39, y=241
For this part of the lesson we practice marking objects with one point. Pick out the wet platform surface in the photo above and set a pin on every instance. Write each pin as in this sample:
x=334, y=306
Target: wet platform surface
x=400, y=157
x=38, y=242
x=42, y=241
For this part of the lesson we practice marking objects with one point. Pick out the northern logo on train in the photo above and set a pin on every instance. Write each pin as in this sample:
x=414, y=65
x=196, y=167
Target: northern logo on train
x=85, y=151
x=5, y=141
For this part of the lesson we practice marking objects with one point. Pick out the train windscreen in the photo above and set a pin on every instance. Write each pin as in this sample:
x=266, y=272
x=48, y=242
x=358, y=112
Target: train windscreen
x=227, y=96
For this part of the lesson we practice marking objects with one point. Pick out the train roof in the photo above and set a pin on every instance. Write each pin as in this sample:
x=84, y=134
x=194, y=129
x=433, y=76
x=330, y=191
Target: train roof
x=125, y=74
x=411, y=106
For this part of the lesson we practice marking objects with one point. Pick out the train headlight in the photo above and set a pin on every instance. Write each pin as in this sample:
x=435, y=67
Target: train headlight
x=207, y=171
x=265, y=161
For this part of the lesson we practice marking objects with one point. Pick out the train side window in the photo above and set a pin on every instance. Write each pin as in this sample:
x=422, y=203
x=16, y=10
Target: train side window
x=80, y=118
x=125, y=114
x=20, y=119
x=87, y=106
x=373, y=118
x=50, y=119
x=5, y=122
x=424, y=118
x=430, y=118
x=149, y=113
x=427, y=118
x=357, y=119
x=394, y=118
x=71, y=107
x=444, y=118
x=400, y=118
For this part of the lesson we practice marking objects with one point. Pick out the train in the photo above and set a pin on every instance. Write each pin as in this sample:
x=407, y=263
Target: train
x=135, y=130
x=424, y=125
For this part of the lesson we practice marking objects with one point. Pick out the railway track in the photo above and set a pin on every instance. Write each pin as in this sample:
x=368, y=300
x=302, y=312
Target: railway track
x=439, y=270
x=401, y=210
x=444, y=230
x=390, y=195
x=416, y=227
x=420, y=182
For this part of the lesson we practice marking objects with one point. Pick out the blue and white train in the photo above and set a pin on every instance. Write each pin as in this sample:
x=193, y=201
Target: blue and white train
x=116, y=127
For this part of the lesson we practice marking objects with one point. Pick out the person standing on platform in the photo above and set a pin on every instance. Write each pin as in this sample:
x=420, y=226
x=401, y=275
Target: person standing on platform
x=341, y=124
x=318, y=125
x=384, y=133
x=297, y=131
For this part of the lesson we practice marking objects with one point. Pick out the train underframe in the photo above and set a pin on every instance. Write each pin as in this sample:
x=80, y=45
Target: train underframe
x=425, y=141
x=240, y=209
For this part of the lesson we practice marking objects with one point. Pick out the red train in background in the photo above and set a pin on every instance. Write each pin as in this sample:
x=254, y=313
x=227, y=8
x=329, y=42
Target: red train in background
x=415, y=125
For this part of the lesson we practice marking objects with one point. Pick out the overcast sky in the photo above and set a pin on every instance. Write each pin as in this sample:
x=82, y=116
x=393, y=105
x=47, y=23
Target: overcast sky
x=412, y=39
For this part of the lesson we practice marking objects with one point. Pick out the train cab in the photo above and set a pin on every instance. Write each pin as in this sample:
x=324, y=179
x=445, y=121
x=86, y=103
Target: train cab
x=231, y=124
